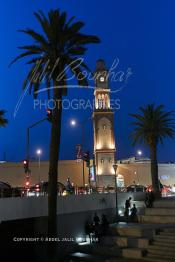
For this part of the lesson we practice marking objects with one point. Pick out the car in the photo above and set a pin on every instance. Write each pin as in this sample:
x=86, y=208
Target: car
x=42, y=188
x=5, y=189
x=136, y=188
x=163, y=189
x=17, y=191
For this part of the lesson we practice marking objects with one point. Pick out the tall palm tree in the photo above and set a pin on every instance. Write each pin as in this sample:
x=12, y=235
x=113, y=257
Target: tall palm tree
x=52, y=52
x=3, y=121
x=152, y=126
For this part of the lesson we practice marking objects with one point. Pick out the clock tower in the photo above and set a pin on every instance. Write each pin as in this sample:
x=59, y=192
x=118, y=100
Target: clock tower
x=103, y=122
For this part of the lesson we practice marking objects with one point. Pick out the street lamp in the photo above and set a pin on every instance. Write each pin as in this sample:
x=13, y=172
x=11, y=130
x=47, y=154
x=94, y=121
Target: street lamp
x=73, y=123
x=115, y=166
x=139, y=152
x=28, y=138
x=136, y=174
x=39, y=152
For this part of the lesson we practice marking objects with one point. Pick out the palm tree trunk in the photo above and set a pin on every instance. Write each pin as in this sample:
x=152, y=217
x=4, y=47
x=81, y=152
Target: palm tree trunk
x=154, y=170
x=53, y=164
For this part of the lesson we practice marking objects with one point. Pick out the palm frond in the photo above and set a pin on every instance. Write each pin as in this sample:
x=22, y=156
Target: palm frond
x=36, y=36
x=153, y=124
x=23, y=55
x=60, y=38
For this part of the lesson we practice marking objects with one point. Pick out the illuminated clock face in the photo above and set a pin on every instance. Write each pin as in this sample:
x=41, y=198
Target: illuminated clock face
x=102, y=79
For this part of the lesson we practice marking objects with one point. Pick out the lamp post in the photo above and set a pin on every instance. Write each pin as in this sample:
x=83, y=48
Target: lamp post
x=73, y=123
x=136, y=173
x=39, y=152
x=115, y=166
x=28, y=139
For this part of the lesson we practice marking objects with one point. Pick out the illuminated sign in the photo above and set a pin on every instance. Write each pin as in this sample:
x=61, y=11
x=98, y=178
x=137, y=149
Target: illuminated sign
x=92, y=173
x=78, y=153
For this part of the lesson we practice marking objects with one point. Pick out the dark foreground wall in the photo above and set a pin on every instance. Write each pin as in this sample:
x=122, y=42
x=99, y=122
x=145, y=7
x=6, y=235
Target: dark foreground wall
x=73, y=213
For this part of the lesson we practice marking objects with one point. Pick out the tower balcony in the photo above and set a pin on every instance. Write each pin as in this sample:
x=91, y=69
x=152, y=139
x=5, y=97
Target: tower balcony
x=103, y=110
x=105, y=150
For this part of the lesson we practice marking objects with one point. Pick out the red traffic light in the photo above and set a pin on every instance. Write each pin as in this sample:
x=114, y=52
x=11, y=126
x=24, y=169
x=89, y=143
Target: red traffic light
x=27, y=183
x=49, y=114
x=25, y=162
x=26, y=165
x=48, y=111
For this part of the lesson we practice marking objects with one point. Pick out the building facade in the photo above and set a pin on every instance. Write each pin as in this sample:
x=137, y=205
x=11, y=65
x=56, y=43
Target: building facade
x=129, y=172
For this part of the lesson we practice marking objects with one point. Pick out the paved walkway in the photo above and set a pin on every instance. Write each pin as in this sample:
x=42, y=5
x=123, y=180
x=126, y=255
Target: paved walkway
x=95, y=258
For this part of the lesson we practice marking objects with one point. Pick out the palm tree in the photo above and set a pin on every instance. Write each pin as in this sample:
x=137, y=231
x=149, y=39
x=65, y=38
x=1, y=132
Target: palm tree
x=152, y=125
x=3, y=121
x=58, y=47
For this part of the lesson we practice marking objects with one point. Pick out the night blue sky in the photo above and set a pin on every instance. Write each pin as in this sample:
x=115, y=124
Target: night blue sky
x=140, y=33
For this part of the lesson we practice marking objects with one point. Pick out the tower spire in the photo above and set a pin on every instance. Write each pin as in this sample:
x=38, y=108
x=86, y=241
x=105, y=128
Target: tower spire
x=103, y=121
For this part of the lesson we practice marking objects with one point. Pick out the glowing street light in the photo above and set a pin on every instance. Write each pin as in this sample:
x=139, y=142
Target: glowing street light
x=39, y=152
x=73, y=122
x=139, y=152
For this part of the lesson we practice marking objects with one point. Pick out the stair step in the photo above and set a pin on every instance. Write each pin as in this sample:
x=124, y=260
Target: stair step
x=169, y=230
x=120, y=241
x=125, y=241
x=163, y=243
x=160, y=211
x=157, y=258
x=159, y=247
x=157, y=219
x=130, y=231
x=165, y=237
x=163, y=203
x=165, y=240
x=167, y=233
x=133, y=252
x=161, y=252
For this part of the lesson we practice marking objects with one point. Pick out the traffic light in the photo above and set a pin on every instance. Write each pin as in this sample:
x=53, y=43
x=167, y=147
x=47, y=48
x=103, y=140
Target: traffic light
x=27, y=183
x=26, y=165
x=49, y=114
x=86, y=158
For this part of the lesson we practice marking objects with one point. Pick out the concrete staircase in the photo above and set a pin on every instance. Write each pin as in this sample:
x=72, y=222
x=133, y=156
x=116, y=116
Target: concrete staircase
x=151, y=240
x=163, y=247
x=134, y=240
x=149, y=243
x=140, y=243
x=162, y=213
x=154, y=238
x=128, y=241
